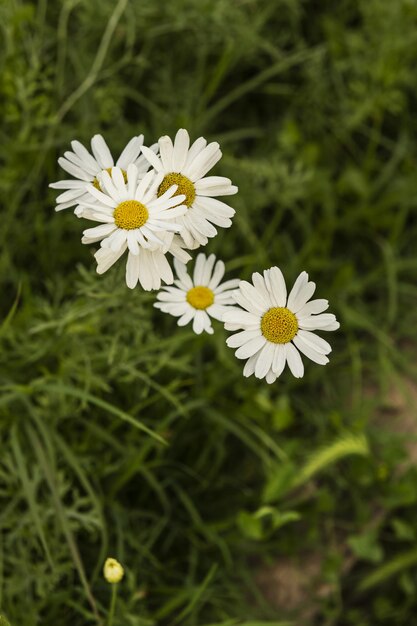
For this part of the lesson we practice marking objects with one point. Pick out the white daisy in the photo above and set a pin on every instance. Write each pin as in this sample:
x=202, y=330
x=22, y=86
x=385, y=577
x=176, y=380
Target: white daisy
x=275, y=329
x=87, y=168
x=199, y=298
x=187, y=167
x=133, y=218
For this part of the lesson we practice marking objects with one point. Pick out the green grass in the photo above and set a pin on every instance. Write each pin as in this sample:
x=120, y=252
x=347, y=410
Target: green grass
x=122, y=435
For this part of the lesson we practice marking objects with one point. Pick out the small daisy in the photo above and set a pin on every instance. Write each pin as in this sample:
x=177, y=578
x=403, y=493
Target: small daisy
x=187, y=167
x=276, y=329
x=200, y=297
x=133, y=218
x=87, y=168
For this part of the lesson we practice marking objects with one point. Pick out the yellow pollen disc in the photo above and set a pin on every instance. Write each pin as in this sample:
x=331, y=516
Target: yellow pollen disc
x=185, y=186
x=108, y=169
x=200, y=297
x=130, y=214
x=279, y=325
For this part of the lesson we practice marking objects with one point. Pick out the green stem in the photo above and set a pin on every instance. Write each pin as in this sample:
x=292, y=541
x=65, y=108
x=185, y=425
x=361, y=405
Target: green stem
x=112, y=604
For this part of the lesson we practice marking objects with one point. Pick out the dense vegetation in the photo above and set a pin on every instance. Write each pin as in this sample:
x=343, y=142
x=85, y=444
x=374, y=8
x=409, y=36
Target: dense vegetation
x=227, y=501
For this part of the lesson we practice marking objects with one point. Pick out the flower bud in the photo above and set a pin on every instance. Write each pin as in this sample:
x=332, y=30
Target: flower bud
x=113, y=571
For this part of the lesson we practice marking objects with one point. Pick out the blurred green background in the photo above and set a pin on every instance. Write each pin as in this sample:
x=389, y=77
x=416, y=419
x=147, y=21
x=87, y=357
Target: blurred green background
x=293, y=504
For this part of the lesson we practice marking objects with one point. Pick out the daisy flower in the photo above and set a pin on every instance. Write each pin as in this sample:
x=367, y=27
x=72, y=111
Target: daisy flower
x=133, y=218
x=274, y=328
x=88, y=168
x=187, y=167
x=199, y=298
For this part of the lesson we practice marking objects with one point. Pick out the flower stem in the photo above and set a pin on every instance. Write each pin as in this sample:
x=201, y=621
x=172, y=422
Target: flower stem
x=112, y=604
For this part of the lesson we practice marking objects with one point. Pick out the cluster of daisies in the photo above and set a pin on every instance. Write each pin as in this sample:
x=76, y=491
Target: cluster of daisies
x=157, y=202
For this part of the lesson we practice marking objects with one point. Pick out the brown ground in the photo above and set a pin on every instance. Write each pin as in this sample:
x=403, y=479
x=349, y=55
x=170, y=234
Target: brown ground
x=297, y=586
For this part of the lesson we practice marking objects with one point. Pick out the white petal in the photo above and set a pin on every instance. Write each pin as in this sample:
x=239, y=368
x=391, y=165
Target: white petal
x=199, y=322
x=101, y=152
x=315, y=322
x=100, y=231
x=198, y=145
x=71, y=194
x=132, y=242
x=177, y=250
x=108, y=186
x=278, y=286
x=212, y=206
x=117, y=239
x=248, y=305
x=251, y=347
x=223, y=222
x=132, y=180
x=166, y=150
x=211, y=181
x=332, y=326
x=309, y=351
x=181, y=145
x=250, y=365
x=220, y=190
x=85, y=156
x=294, y=361
x=260, y=285
x=118, y=180
x=280, y=357
x=297, y=288
x=315, y=341
x=74, y=170
x=270, y=377
x=68, y=184
x=207, y=158
x=106, y=258
x=303, y=297
x=217, y=275
x=208, y=268
x=239, y=339
x=182, y=274
x=132, y=270
x=265, y=358
x=254, y=295
x=237, y=316
x=162, y=267
x=228, y=284
x=145, y=271
x=199, y=268
x=142, y=162
x=130, y=153
x=102, y=197
x=152, y=158
x=173, y=295
x=187, y=317
x=314, y=306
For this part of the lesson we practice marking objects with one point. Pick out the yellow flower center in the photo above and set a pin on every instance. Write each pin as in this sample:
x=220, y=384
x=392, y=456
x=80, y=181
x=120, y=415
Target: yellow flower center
x=279, y=325
x=185, y=186
x=200, y=297
x=97, y=184
x=130, y=214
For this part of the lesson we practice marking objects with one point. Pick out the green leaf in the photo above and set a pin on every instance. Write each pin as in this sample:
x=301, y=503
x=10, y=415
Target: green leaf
x=366, y=547
x=250, y=525
x=398, y=564
x=264, y=521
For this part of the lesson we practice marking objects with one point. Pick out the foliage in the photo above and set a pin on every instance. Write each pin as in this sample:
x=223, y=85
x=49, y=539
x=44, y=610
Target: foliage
x=124, y=436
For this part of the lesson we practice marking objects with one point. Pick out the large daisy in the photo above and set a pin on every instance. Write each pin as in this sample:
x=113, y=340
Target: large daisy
x=88, y=168
x=276, y=328
x=187, y=167
x=133, y=218
x=199, y=298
